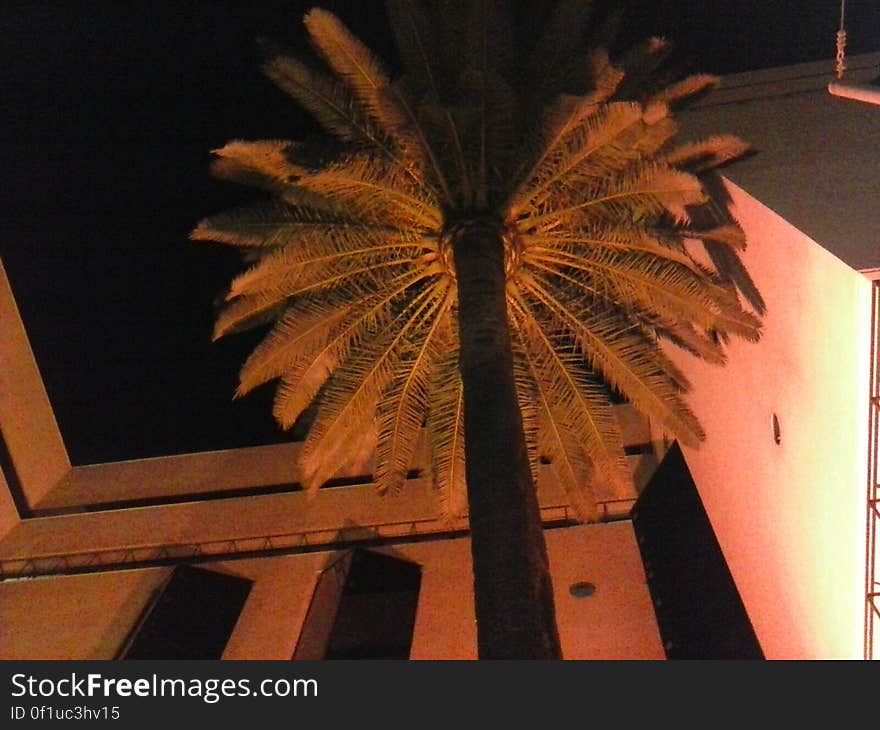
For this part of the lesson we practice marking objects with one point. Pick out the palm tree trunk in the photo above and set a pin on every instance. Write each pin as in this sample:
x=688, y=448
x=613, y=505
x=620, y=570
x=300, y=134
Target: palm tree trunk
x=512, y=588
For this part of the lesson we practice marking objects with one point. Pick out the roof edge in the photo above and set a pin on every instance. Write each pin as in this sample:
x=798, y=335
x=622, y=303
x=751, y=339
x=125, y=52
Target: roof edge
x=784, y=80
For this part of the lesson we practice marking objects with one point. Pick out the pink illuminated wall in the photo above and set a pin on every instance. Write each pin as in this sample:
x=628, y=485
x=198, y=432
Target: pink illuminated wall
x=790, y=516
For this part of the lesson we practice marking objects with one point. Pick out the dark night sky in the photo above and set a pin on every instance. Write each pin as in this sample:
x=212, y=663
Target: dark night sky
x=109, y=111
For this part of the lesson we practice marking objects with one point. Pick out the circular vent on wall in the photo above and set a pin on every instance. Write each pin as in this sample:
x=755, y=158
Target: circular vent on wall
x=582, y=589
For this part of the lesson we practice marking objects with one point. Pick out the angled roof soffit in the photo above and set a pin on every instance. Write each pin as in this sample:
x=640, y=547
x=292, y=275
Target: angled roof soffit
x=787, y=80
x=815, y=161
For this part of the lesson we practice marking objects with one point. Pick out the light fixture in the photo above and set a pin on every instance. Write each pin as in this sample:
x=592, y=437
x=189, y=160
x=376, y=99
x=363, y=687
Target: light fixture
x=859, y=92
x=846, y=89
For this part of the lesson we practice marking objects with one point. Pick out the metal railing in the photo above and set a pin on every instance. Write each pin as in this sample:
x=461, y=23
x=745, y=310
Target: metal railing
x=128, y=557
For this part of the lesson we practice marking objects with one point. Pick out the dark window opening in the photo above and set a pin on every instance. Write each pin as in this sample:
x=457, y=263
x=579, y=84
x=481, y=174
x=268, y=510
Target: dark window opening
x=364, y=607
x=192, y=617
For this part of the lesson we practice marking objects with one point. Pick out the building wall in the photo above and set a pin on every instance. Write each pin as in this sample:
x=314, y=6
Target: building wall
x=8, y=511
x=89, y=616
x=27, y=424
x=73, y=617
x=790, y=517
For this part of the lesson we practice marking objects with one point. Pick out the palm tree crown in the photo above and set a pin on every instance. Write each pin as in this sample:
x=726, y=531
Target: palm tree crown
x=612, y=244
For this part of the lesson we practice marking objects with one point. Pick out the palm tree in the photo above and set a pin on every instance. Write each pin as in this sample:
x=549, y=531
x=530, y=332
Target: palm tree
x=494, y=245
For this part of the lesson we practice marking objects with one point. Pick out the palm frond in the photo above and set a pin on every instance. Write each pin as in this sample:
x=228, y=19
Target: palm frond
x=383, y=101
x=688, y=89
x=350, y=400
x=315, y=256
x=640, y=192
x=448, y=128
x=275, y=159
x=560, y=49
x=272, y=224
x=574, y=407
x=303, y=326
x=708, y=153
x=402, y=408
x=375, y=192
x=488, y=137
x=353, y=279
x=269, y=165
x=303, y=373
x=572, y=468
x=622, y=355
x=639, y=64
x=585, y=242
x=487, y=39
x=354, y=63
x=527, y=401
x=446, y=429
x=656, y=133
x=413, y=25
x=561, y=120
x=572, y=138
x=669, y=288
x=329, y=102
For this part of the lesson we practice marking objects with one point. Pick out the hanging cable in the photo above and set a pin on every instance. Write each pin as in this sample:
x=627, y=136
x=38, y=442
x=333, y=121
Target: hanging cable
x=841, y=43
